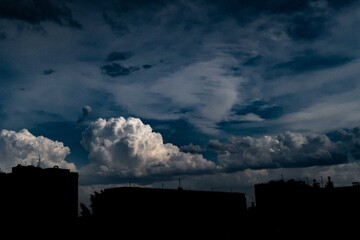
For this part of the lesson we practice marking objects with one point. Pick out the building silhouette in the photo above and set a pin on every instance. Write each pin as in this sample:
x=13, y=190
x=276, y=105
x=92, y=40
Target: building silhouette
x=36, y=197
x=181, y=212
x=288, y=207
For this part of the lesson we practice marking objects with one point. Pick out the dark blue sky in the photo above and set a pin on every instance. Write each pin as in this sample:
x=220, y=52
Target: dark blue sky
x=249, y=89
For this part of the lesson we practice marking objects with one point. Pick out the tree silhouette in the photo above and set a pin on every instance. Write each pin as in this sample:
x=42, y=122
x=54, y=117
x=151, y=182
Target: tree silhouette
x=85, y=212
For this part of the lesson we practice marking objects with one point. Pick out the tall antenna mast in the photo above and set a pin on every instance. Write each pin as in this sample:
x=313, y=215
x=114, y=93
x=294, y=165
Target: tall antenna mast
x=39, y=161
x=321, y=181
x=179, y=186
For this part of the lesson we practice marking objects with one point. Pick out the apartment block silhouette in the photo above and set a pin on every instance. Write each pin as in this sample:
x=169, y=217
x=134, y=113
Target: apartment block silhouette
x=32, y=196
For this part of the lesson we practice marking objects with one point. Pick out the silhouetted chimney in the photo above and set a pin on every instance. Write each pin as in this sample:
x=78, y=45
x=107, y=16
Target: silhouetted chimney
x=329, y=184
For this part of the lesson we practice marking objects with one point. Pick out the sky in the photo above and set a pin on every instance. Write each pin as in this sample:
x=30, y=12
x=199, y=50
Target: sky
x=222, y=94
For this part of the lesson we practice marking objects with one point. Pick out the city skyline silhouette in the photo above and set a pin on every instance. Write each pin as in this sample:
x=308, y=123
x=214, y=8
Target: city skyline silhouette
x=280, y=208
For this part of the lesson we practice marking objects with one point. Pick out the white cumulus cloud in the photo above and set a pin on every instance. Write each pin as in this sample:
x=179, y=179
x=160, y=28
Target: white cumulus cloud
x=24, y=148
x=120, y=147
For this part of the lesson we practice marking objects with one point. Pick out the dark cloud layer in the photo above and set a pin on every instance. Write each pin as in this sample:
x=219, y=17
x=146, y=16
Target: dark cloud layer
x=115, y=70
x=147, y=66
x=350, y=140
x=339, y=4
x=309, y=60
x=287, y=150
x=253, y=61
x=118, y=56
x=85, y=113
x=37, y=11
x=117, y=25
x=261, y=108
x=2, y=36
x=262, y=6
x=306, y=27
x=48, y=71
x=280, y=7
